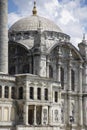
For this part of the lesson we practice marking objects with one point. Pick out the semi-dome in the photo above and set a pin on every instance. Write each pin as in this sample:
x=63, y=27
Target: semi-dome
x=33, y=23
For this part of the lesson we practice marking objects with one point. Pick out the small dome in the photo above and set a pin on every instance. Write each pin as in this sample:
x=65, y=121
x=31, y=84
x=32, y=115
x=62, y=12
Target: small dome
x=32, y=23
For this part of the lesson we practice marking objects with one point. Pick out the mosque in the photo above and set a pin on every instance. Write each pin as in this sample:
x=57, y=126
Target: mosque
x=43, y=77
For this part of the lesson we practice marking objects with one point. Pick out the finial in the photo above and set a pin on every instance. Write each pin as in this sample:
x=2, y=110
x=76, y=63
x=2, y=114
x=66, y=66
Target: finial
x=83, y=36
x=34, y=11
x=84, y=40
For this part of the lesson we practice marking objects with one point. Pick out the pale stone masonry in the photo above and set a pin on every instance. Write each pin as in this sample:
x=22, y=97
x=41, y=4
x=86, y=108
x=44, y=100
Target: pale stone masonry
x=3, y=37
x=43, y=85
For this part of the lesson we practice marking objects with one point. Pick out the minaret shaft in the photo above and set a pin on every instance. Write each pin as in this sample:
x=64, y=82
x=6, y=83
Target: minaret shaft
x=4, y=36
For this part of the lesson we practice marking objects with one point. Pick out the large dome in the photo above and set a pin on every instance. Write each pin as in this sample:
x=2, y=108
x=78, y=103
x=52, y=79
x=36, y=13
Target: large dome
x=33, y=23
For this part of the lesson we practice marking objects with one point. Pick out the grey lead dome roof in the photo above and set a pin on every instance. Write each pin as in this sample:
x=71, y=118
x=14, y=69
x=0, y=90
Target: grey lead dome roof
x=33, y=23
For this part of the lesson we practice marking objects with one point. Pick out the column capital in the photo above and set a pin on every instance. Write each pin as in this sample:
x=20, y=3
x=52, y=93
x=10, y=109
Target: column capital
x=80, y=66
x=48, y=59
x=70, y=63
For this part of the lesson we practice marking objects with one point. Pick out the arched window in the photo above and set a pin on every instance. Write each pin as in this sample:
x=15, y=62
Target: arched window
x=50, y=71
x=56, y=96
x=13, y=93
x=62, y=112
x=0, y=91
x=72, y=80
x=12, y=70
x=39, y=93
x=6, y=92
x=26, y=68
x=46, y=94
x=31, y=93
x=62, y=78
x=73, y=112
x=21, y=93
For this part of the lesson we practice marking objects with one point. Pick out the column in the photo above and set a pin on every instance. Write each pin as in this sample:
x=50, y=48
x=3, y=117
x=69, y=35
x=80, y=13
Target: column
x=80, y=97
x=80, y=78
x=80, y=111
x=3, y=91
x=59, y=72
x=66, y=110
x=42, y=116
x=69, y=85
x=2, y=109
x=26, y=91
x=69, y=76
x=2, y=113
x=42, y=93
x=47, y=67
x=3, y=36
x=59, y=57
x=35, y=115
x=42, y=65
x=10, y=91
x=50, y=115
x=9, y=119
x=59, y=96
x=35, y=92
x=26, y=107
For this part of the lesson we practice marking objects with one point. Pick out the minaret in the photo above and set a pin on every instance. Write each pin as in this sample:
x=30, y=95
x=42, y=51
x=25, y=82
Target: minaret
x=3, y=36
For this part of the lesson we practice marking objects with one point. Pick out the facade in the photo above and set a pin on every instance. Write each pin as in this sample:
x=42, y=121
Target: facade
x=43, y=77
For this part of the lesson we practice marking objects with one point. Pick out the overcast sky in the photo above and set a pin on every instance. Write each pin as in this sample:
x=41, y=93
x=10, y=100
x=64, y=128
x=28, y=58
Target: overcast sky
x=69, y=15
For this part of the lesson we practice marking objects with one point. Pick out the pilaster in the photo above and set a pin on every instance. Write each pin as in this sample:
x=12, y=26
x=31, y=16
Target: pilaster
x=3, y=91
x=69, y=86
x=80, y=111
x=42, y=65
x=26, y=107
x=10, y=92
x=9, y=118
x=35, y=93
x=2, y=115
x=80, y=78
x=47, y=67
x=3, y=36
x=50, y=115
x=59, y=64
x=27, y=91
x=34, y=115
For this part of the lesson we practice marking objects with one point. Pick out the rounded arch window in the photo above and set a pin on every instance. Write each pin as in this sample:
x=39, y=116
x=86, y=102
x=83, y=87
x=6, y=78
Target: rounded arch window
x=72, y=80
x=31, y=93
x=21, y=93
x=6, y=92
x=46, y=94
x=50, y=71
x=62, y=77
x=39, y=93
